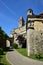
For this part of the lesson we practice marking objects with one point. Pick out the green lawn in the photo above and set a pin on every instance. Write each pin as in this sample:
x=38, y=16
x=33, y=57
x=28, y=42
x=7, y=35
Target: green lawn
x=3, y=60
x=23, y=51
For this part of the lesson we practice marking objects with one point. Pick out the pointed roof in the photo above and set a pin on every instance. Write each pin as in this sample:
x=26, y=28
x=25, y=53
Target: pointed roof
x=21, y=18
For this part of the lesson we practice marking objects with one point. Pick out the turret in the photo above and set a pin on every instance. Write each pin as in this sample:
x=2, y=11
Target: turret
x=29, y=22
x=21, y=22
x=29, y=12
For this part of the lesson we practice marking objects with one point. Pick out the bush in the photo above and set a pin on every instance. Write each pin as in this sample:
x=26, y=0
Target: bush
x=14, y=45
x=38, y=55
x=6, y=49
x=1, y=51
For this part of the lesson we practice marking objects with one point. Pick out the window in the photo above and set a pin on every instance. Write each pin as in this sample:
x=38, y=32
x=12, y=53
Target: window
x=31, y=23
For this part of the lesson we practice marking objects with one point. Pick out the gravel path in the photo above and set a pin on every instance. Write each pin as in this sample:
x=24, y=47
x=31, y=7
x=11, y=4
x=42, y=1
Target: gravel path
x=17, y=59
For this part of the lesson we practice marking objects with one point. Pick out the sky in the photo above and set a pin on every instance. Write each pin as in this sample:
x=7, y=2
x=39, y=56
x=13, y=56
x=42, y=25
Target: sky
x=11, y=10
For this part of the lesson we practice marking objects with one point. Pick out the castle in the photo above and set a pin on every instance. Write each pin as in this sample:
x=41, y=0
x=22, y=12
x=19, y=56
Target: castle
x=32, y=31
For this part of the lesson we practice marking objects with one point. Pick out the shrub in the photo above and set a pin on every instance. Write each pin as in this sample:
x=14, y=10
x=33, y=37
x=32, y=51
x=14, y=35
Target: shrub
x=1, y=51
x=14, y=45
x=38, y=55
x=6, y=49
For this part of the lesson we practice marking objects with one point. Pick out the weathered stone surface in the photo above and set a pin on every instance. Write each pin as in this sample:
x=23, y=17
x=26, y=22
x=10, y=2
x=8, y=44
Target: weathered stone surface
x=34, y=41
x=30, y=42
x=34, y=37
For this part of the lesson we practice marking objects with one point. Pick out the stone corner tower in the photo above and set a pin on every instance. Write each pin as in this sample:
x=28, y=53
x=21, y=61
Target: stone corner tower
x=30, y=30
x=21, y=22
x=33, y=24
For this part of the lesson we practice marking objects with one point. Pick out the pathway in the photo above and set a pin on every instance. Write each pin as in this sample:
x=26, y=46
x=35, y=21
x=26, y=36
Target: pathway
x=17, y=59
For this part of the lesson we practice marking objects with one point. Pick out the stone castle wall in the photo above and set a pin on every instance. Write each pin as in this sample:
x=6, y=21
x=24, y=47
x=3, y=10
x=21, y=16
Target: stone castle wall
x=19, y=31
x=38, y=42
x=35, y=39
x=34, y=36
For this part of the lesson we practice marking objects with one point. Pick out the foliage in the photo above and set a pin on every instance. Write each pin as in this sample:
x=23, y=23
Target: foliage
x=6, y=49
x=1, y=51
x=3, y=37
x=38, y=55
x=14, y=45
x=3, y=60
x=22, y=41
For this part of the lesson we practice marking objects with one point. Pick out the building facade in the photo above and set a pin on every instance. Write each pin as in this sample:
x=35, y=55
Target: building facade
x=32, y=31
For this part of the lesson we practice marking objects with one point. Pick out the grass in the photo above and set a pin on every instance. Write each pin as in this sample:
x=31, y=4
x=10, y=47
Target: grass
x=3, y=60
x=34, y=57
x=23, y=51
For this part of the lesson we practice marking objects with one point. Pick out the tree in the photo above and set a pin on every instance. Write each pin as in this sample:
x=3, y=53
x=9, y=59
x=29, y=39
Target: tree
x=3, y=37
x=22, y=41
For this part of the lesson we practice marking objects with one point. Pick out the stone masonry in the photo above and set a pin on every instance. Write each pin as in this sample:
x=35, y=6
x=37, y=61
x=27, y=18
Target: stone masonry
x=32, y=31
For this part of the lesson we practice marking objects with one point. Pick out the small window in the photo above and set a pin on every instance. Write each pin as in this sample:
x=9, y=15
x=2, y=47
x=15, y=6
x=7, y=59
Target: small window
x=31, y=24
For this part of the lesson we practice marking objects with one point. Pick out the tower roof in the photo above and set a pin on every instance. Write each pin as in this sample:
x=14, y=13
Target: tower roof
x=30, y=10
x=21, y=18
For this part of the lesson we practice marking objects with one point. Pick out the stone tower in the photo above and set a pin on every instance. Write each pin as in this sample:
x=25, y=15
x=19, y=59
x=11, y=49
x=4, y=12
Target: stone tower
x=21, y=22
x=34, y=28
x=30, y=30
